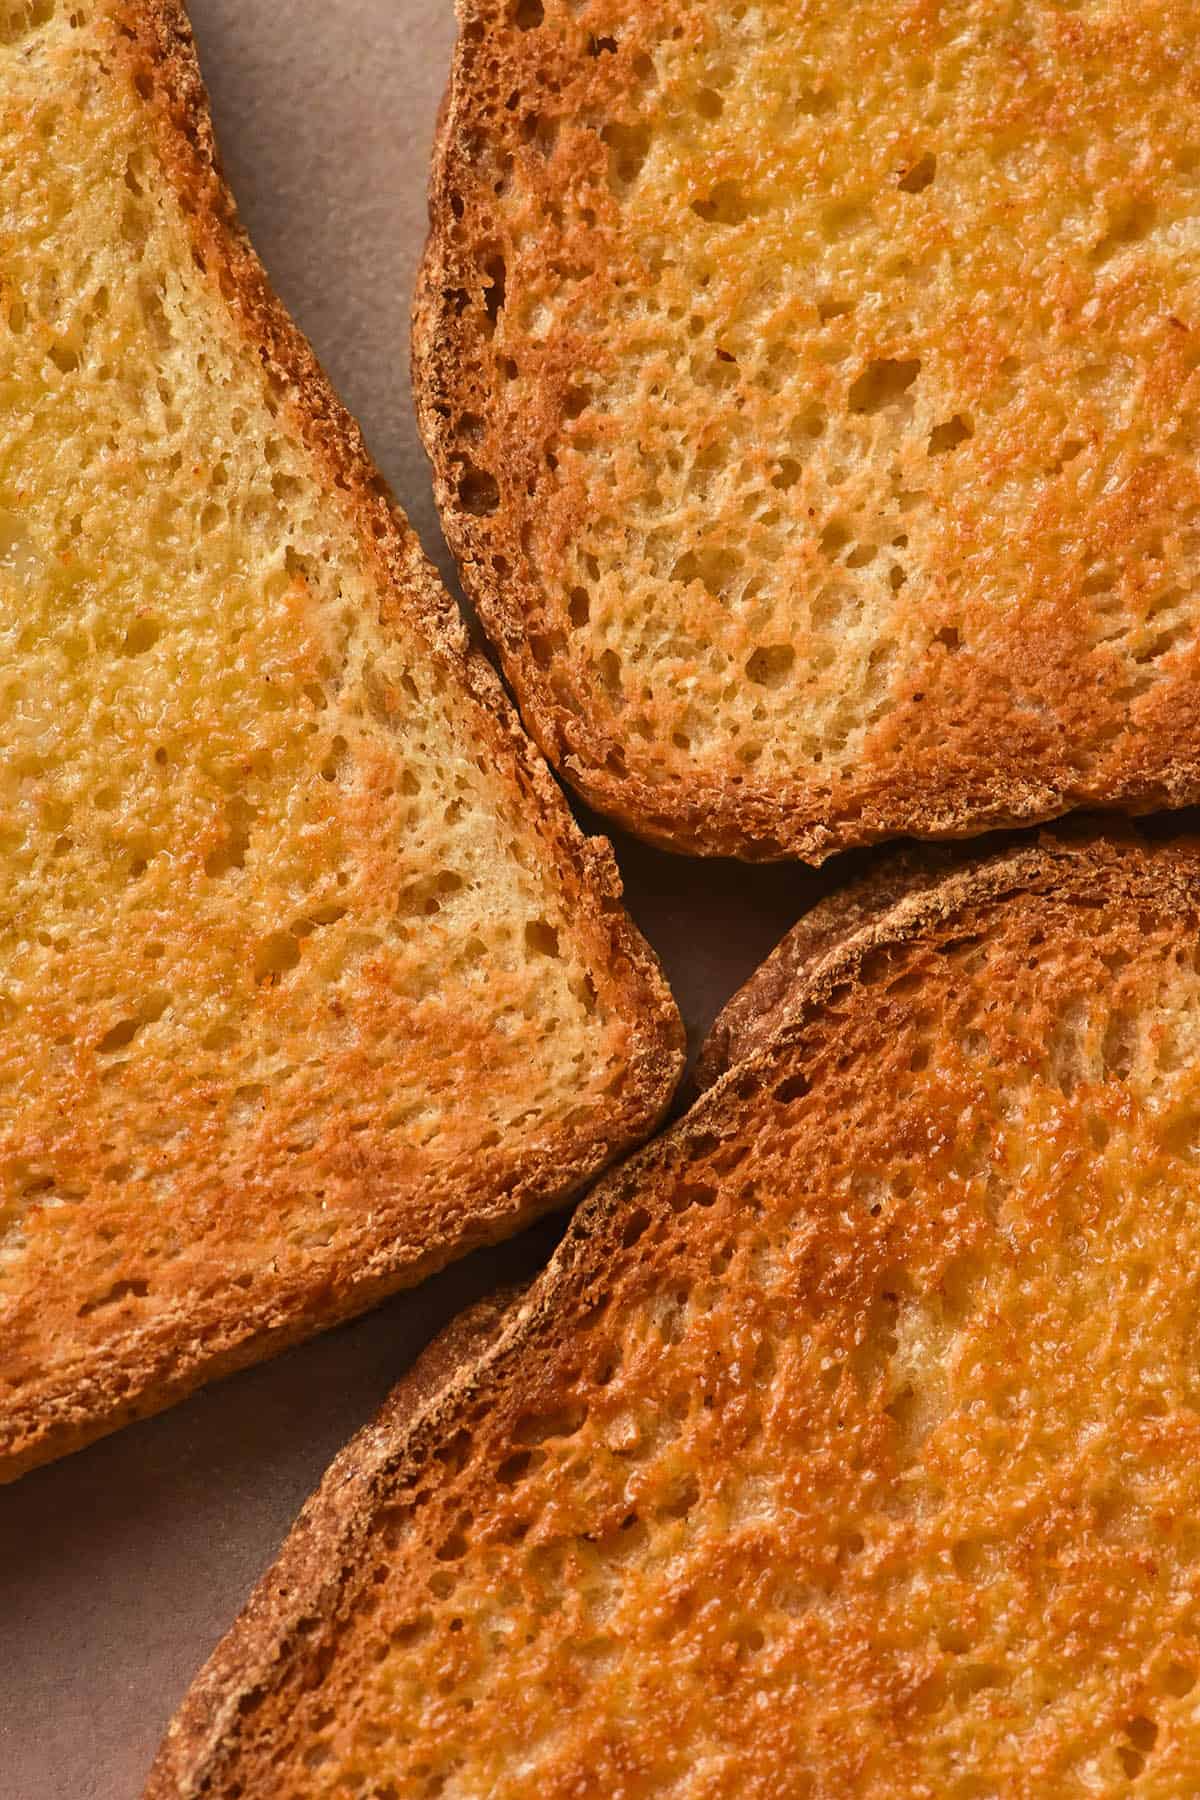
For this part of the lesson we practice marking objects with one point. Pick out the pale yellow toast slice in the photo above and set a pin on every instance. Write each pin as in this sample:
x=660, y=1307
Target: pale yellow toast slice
x=814, y=398
x=848, y=1446
x=308, y=981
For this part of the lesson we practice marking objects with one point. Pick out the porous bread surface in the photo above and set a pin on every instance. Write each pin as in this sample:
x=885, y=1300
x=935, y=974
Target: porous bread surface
x=814, y=398
x=849, y=1444
x=307, y=980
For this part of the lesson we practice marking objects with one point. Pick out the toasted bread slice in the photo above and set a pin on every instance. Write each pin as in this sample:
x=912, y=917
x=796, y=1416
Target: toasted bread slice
x=308, y=982
x=849, y=1443
x=814, y=399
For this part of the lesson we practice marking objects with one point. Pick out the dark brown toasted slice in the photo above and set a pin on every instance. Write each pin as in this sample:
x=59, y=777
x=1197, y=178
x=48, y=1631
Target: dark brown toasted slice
x=813, y=393
x=849, y=1443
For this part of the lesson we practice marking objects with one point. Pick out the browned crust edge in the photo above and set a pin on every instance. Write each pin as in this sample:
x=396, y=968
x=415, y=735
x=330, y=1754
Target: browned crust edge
x=296, y=1606
x=747, y=1020
x=332, y=1510
x=155, y=36
x=707, y=816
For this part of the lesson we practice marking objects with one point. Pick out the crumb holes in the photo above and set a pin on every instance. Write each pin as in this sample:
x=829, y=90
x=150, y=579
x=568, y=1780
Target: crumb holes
x=949, y=436
x=541, y=939
x=602, y=46
x=1142, y=1733
x=580, y=607
x=636, y=1224
x=575, y=401
x=709, y=103
x=514, y=1468
x=816, y=103
x=968, y=1559
x=478, y=490
x=834, y=538
x=1119, y=1046
x=123, y=1290
x=1178, y=1680
x=453, y=1549
x=142, y=635
x=496, y=273
x=231, y=854
x=1134, y=221
x=902, y=1410
x=335, y=759
x=727, y=204
x=949, y=638
x=528, y=14
x=275, y=955
x=609, y=667
x=539, y=1428
x=883, y=383
x=794, y=1088
x=684, y=1498
x=693, y=1193
x=629, y=146
x=919, y=176
x=787, y=475
x=770, y=666
x=121, y=1035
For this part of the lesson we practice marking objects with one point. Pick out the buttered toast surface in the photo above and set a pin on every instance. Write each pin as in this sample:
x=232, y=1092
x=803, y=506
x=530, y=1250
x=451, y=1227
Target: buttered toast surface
x=814, y=399
x=848, y=1445
x=307, y=980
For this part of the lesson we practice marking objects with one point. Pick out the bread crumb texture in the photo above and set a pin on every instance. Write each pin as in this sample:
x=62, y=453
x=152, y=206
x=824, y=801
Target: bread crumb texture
x=851, y=1444
x=814, y=396
x=306, y=981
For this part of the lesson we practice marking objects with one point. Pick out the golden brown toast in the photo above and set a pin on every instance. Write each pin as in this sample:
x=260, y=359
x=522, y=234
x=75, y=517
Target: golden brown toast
x=308, y=982
x=813, y=393
x=848, y=1446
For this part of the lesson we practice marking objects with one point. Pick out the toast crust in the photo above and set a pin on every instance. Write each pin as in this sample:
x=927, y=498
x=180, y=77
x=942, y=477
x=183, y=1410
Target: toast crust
x=330, y=1525
x=198, y=1337
x=749, y=1018
x=290, y=1633
x=993, y=723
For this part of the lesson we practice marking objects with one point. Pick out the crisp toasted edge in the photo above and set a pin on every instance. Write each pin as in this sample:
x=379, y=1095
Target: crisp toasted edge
x=705, y=815
x=334, y=1515
x=297, y=1601
x=158, y=38
x=748, y=1019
